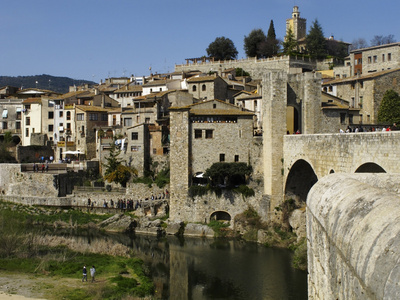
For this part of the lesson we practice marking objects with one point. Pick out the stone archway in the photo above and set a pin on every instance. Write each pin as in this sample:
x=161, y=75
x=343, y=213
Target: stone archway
x=220, y=216
x=370, y=168
x=300, y=180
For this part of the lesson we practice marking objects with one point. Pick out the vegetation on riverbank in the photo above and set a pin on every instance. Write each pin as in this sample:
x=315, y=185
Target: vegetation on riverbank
x=27, y=250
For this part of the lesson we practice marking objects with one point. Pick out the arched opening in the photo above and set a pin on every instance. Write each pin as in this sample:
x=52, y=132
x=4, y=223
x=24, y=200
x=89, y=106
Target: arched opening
x=370, y=168
x=16, y=139
x=220, y=216
x=203, y=87
x=109, y=133
x=331, y=171
x=300, y=180
x=292, y=119
x=194, y=88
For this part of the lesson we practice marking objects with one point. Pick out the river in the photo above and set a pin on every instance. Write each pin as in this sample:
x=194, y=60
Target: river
x=200, y=269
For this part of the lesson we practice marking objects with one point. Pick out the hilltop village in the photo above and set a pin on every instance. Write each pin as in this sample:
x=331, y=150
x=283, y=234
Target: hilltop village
x=205, y=112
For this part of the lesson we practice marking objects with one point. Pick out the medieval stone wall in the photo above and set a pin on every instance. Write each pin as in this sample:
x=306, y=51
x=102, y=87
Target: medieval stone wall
x=255, y=67
x=353, y=232
x=13, y=182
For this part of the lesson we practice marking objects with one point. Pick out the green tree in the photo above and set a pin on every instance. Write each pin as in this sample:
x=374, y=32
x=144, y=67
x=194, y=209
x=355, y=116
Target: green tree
x=271, y=46
x=230, y=174
x=241, y=72
x=315, y=41
x=253, y=43
x=115, y=170
x=222, y=49
x=5, y=155
x=290, y=44
x=389, y=110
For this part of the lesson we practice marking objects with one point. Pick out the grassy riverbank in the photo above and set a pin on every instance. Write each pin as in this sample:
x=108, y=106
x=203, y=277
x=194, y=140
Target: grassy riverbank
x=53, y=265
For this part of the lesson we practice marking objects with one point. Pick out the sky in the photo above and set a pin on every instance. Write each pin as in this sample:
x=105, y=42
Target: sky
x=98, y=39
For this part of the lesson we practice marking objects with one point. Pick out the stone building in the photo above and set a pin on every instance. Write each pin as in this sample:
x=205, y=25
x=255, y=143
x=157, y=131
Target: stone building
x=202, y=134
x=207, y=87
x=364, y=93
x=375, y=59
x=11, y=118
x=297, y=25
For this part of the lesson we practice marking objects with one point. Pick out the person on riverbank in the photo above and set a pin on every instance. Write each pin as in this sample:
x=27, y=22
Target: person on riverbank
x=92, y=273
x=84, y=274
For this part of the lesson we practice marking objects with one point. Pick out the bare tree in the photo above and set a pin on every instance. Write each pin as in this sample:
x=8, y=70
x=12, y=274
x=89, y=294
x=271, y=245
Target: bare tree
x=358, y=44
x=382, y=40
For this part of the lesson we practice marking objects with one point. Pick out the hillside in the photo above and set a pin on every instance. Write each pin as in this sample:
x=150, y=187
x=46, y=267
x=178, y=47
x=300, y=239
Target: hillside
x=47, y=82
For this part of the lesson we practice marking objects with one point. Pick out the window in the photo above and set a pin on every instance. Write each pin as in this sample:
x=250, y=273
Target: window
x=222, y=157
x=50, y=128
x=147, y=120
x=51, y=115
x=27, y=132
x=389, y=56
x=18, y=115
x=194, y=88
x=61, y=114
x=80, y=117
x=68, y=126
x=28, y=121
x=351, y=119
x=135, y=148
x=5, y=114
x=236, y=158
x=18, y=125
x=209, y=134
x=93, y=117
x=154, y=151
x=104, y=117
x=383, y=57
x=135, y=136
x=50, y=104
x=203, y=87
x=198, y=133
x=5, y=125
x=128, y=122
x=369, y=59
x=375, y=58
x=68, y=115
x=27, y=106
x=342, y=118
x=361, y=101
x=214, y=106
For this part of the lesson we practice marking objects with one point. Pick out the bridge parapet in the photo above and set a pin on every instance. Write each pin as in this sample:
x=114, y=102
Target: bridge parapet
x=343, y=153
x=353, y=234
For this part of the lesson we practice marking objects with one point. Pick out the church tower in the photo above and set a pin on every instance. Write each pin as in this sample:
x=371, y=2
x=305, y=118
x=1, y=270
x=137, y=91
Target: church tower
x=297, y=24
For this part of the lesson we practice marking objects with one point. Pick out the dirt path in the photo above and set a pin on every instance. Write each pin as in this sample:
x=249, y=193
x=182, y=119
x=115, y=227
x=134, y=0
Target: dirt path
x=22, y=287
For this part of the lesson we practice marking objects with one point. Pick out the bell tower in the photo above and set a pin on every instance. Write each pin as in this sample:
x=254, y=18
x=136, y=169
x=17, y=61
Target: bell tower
x=298, y=25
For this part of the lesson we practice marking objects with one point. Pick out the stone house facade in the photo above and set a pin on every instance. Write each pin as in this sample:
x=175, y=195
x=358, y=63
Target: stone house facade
x=375, y=59
x=364, y=92
x=208, y=87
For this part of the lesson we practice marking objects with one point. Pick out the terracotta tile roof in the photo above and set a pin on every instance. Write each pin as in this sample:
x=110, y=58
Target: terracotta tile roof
x=201, y=79
x=89, y=108
x=32, y=101
x=129, y=88
x=361, y=77
x=68, y=95
x=156, y=82
x=220, y=112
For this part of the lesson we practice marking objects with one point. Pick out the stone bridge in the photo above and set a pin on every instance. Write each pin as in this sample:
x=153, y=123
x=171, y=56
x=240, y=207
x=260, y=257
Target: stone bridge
x=307, y=158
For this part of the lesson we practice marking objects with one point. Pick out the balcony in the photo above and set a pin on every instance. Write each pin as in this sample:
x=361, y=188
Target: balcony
x=62, y=144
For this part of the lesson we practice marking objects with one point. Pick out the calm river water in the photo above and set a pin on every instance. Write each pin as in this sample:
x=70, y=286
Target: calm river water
x=199, y=269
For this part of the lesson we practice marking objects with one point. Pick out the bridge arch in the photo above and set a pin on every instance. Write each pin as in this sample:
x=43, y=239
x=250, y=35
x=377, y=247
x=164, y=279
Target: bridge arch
x=370, y=167
x=299, y=181
x=220, y=215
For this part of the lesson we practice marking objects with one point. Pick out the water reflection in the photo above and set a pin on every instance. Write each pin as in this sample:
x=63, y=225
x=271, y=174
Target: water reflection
x=200, y=269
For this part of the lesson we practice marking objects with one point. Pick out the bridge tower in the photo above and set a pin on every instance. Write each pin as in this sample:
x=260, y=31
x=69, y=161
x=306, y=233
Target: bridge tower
x=281, y=89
